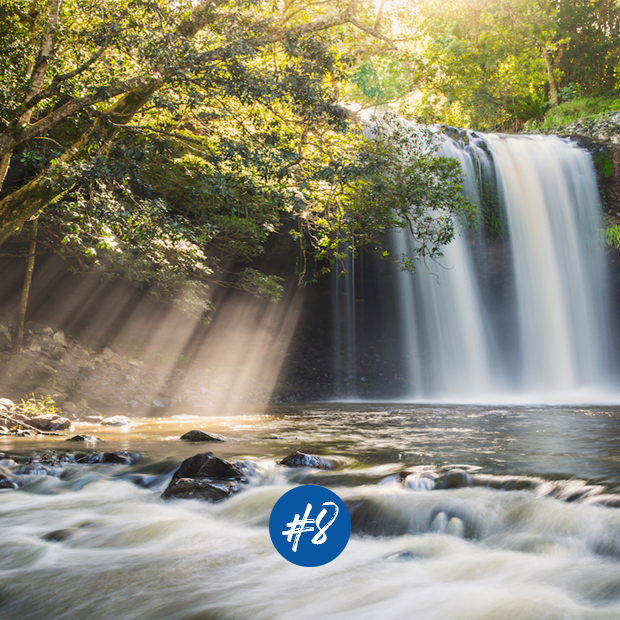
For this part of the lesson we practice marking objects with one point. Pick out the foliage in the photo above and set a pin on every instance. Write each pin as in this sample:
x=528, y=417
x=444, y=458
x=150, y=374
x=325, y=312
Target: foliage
x=396, y=180
x=569, y=92
x=481, y=57
x=612, y=236
x=531, y=108
x=380, y=80
x=170, y=140
x=591, y=32
x=604, y=163
x=580, y=108
x=33, y=407
x=492, y=64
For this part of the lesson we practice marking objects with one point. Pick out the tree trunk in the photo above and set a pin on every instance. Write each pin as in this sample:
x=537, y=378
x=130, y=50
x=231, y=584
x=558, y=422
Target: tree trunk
x=553, y=85
x=19, y=328
x=36, y=77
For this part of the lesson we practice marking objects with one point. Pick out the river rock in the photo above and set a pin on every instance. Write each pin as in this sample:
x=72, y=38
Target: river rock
x=50, y=422
x=415, y=482
x=69, y=407
x=207, y=465
x=59, y=535
x=163, y=402
x=8, y=480
x=91, y=419
x=370, y=518
x=455, y=479
x=204, y=476
x=85, y=438
x=201, y=436
x=200, y=488
x=27, y=374
x=34, y=328
x=59, y=338
x=116, y=420
x=117, y=458
x=299, y=459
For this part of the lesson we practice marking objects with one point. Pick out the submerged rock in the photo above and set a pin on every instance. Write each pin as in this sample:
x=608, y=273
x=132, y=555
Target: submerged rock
x=370, y=518
x=299, y=459
x=416, y=482
x=204, y=476
x=118, y=457
x=116, y=420
x=201, y=436
x=455, y=479
x=59, y=535
x=8, y=480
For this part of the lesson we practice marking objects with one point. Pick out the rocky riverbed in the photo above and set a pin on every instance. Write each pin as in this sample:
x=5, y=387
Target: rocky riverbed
x=504, y=512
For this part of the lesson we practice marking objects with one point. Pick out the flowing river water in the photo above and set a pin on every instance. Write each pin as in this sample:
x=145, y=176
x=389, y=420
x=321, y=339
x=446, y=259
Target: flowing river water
x=536, y=535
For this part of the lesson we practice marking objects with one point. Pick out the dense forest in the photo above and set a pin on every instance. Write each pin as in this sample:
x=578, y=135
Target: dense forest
x=167, y=142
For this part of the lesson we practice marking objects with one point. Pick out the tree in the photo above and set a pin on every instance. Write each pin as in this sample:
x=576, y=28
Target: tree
x=478, y=57
x=132, y=52
x=164, y=140
x=590, y=34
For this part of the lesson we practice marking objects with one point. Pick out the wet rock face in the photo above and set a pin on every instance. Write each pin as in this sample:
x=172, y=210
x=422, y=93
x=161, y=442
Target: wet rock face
x=204, y=476
x=200, y=488
x=299, y=459
x=455, y=479
x=207, y=465
x=199, y=436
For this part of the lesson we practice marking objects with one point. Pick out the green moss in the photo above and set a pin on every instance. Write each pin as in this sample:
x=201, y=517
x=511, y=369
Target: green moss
x=604, y=163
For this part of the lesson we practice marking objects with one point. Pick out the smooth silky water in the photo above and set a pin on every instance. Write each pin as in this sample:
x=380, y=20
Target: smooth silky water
x=533, y=538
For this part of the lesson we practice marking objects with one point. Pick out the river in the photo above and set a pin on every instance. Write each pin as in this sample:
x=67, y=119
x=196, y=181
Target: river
x=535, y=537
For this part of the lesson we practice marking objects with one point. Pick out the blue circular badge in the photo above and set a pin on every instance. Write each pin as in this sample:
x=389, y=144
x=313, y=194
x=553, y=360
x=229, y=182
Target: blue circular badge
x=310, y=526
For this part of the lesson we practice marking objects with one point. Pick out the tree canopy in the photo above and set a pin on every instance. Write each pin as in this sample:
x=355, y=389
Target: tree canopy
x=488, y=63
x=164, y=141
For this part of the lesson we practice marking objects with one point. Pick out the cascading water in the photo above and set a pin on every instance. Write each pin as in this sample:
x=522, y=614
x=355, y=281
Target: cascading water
x=343, y=312
x=520, y=314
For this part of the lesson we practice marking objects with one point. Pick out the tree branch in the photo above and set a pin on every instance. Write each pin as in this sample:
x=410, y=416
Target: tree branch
x=12, y=138
x=52, y=88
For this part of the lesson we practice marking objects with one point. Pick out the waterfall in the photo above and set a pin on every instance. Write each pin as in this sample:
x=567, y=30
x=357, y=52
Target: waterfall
x=517, y=308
